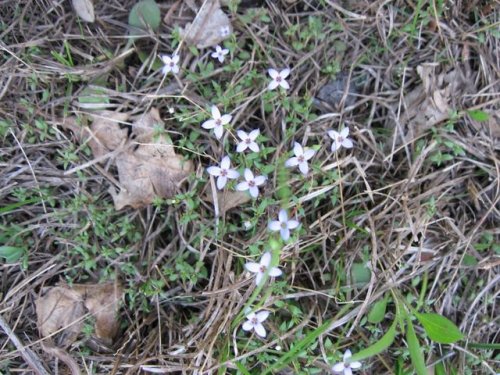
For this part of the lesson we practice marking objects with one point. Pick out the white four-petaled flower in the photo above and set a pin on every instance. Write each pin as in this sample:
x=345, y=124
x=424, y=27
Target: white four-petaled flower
x=283, y=224
x=278, y=79
x=345, y=367
x=220, y=53
x=223, y=172
x=248, y=140
x=217, y=122
x=261, y=268
x=340, y=139
x=251, y=184
x=301, y=157
x=254, y=322
x=170, y=64
x=224, y=31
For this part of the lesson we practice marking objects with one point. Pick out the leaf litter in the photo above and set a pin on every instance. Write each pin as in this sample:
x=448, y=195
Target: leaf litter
x=147, y=164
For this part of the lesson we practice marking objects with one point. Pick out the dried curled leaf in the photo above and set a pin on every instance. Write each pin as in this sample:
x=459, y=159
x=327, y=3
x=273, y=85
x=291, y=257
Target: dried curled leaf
x=209, y=28
x=227, y=199
x=84, y=9
x=63, y=309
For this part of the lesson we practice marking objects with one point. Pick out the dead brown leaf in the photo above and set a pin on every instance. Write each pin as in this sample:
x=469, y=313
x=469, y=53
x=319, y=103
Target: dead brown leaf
x=84, y=9
x=227, y=199
x=209, y=28
x=148, y=166
x=63, y=309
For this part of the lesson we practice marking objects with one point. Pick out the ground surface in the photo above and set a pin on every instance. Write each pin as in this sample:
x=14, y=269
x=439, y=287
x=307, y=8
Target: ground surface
x=404, y=222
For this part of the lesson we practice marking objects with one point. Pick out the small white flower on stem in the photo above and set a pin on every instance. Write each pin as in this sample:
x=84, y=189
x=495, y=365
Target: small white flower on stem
x=220, y=53
x=251, y=184
x=346, y=366
x=261, y=268
x=278, y=79
x=283, y=224
x=171, y=64
x=340, y=139
x=223, y=172
x=248, y=140
x=224, y=31
x=254, y=322
x=301, y=157
x=217, y=122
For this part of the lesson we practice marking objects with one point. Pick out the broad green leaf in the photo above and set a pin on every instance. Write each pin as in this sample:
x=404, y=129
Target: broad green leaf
x=11, y=253
x=439, y=369
x=478, y=115
x=417, y=358
x=382, y=344
x=144, y=15
x=439, y=328
x=360, y=273
x=377, y=313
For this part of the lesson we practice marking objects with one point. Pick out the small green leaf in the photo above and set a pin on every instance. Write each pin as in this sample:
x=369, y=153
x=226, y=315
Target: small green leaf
x=11, y=253
x=144, y=15
x=377, y=313
x=478, y=115
x=439, y=328
x=379, y=346
x=414, y=347
x=360, y=273
x=439, y=369
x=469, y=260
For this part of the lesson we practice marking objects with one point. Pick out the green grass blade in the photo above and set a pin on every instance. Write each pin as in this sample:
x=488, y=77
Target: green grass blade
x=414, y=346
x=379, y=346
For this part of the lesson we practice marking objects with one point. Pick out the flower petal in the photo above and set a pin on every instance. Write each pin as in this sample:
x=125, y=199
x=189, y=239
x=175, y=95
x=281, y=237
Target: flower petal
x=273, y=73
x=347, y=355
x=292, y=224
x=242, y=135
x=242, y=146
x=260, y=330
x=218, y=131
x=272, y=85
x=166, y=59
x=283, y=216
x=333, y=134
x=250, y=316
x=254, y=134
x=254, y=191
x=209, y=124
x=220, y=58
x=225, y=163
x=247, y=326
x=297, y=149
x=304, y=168
x=292, y=162
x=215, y=112
x=242, y=186
x=175, y=59
x=347, y=143
x=284, y=84
x=175, y=69
x=355, y=365
x=214, y=171
x=262, y=315
x=215, y=55
x=221, y=182
x=338, y=367
x=254, y=147
x=259, y=180
x=275, y=272
x=274, y=225
x=285, y=233
x=165, y=70
x=347, y=371
x=248, y=174
x=252, y=267
x=266, y=259
x=258, y=278
x=225, y=119
x=285, y=73
x=344, y=133
x=308, y=154
x=335, y=146
x=231, y=173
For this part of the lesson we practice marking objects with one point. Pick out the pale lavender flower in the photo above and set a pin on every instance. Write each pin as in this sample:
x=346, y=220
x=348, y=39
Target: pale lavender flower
x=248, y=140
x=251, y=184
x=301, y=157
x=340, y=139
x=171, y=64
x=283, y=224
x=223, y=172
x=220, y=53
x=217, y=122
x=254, y=322
x=345, y=367
x=261, y=268
x=278, y=79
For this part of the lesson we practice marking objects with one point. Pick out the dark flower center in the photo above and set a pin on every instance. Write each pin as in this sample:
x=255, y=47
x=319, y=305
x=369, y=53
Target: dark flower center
x=251, y=183
x=248, y=141
x=301, y=158
x=223, y=172
x=263, y=268
x=278, y=79
x=284, y=225
x=218, y=122
x=255, y=321
x=172, y=64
